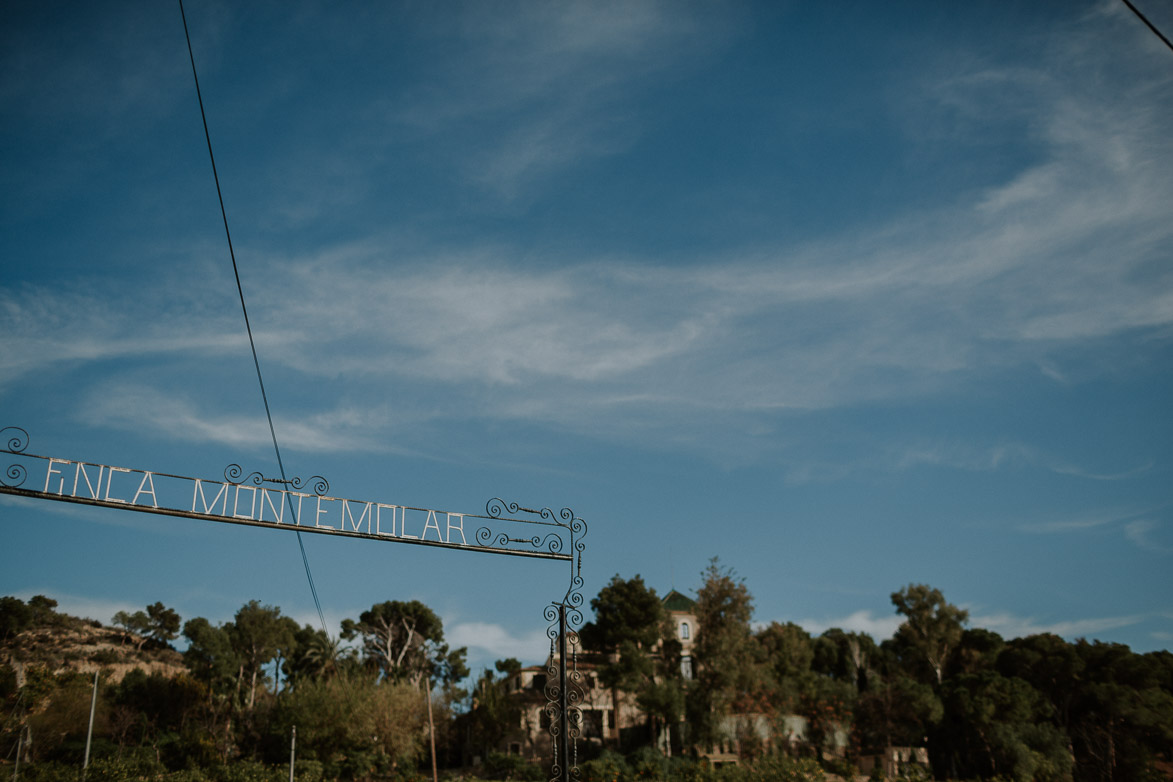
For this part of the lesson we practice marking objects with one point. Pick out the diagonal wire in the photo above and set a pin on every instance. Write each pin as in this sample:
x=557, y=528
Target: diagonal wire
x=248, y=327
x=1148, y=24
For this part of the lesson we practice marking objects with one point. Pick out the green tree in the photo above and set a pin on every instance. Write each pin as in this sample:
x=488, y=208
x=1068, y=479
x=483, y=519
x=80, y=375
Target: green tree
x=357, y=728
x=1121, y=722
x=258, y=633
x=158, y=624
x=315, y=655
x=896, y=710
x=844, y=656
x=15, y=616
x=210, y=654
x=932, y=627
x=405, y=642
x=629, y=625
x=492, y=710
x=995, y=726
x=1050, y=665
x=731, y=674
x=44, y=610
x=789, y=653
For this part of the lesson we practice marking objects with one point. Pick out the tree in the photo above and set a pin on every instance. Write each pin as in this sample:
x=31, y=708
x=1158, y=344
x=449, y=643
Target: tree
x=258, y=633
x=844, y=656
x=1121, y=721
x=405, y=642
x=158, y=624
x=315, y=655
x=164, y=623
x=789, y=653
x=210, y=655
x=44, y=610
x=628, y=627
x=15, y=616
x=493, y=710
x=357, y=729
x=731, y=676
x=932, y=627
x=995, y=726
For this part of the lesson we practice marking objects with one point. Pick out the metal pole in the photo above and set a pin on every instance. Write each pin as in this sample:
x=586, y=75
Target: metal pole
x=563, y=700
x=292, y=751
x=19, y=743
x=90, y=733
x=431, y=729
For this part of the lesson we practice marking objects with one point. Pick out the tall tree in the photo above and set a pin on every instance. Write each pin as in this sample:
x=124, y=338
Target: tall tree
x=932, y=627
x=258, y=633
x=731, y=675
x=405, y=642
x=628, y=627
x=158, y=624
x=210, y=655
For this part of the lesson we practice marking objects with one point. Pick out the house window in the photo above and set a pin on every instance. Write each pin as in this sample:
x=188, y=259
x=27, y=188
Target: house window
x=686, y=667
x=684, y=631
x=515, y=748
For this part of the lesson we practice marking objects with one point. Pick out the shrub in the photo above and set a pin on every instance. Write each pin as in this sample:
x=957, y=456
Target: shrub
x=500, y=766
x=607, y=767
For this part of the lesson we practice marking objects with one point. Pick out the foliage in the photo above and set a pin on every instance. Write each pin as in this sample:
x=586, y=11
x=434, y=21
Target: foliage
x=1034, y=708
x=158, y=624
x=405, y=642
x=932, y=627
x=352, y=725
x=732, y=675
x=504, y=767
x=632, y=629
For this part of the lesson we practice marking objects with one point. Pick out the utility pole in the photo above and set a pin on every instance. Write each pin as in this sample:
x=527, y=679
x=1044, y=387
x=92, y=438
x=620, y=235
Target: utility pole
x=292, y=751
x=431, y=728
x=90, y=733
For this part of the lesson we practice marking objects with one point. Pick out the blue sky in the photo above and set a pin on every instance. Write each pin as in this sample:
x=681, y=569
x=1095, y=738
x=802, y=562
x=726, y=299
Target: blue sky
x=848, y=295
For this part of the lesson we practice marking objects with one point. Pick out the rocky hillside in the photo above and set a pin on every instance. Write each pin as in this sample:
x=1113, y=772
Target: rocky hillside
x=64, y=643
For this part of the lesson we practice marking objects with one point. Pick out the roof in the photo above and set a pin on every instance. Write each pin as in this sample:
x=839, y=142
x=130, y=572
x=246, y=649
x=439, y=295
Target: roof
x=674, y=601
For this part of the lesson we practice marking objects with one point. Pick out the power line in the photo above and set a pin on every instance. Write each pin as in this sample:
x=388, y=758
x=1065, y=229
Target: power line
x=248, y=327
x=1149, y=24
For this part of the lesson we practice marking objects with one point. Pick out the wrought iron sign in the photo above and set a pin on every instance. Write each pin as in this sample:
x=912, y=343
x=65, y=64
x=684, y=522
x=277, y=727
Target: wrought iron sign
x=252, y=499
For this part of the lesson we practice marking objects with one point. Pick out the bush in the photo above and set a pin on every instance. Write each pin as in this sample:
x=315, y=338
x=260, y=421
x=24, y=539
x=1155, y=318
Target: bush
x=49, y=772
x=125, y=768
x=499, y=766
x=607, y=767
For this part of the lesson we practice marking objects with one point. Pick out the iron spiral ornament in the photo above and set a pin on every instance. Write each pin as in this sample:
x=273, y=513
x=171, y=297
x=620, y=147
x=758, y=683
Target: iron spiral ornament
x=16, y=440
x=235, y=474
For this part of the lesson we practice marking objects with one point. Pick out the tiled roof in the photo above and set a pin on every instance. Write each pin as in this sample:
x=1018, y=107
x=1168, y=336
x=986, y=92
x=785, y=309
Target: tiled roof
x=674, y=601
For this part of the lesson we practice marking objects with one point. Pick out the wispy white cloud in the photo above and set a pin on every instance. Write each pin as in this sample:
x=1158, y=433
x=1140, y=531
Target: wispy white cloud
x=1139, y=528
x=879, y=628
x=1013, y=275
x=487, y=641
x=1012, y=626
x=1142, y=533
x=549, y=87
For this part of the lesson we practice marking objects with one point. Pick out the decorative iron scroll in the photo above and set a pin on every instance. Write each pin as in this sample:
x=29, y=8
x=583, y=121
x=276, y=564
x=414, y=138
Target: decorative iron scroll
x=14, y=474
x=564, y=694
x=233, y=473
x=295, y=504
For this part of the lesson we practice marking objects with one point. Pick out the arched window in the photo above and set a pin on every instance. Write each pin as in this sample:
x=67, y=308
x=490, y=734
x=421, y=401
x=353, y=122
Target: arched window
x=684, y=631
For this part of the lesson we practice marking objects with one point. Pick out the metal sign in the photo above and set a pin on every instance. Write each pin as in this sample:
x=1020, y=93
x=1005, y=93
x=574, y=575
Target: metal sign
x=254, y=500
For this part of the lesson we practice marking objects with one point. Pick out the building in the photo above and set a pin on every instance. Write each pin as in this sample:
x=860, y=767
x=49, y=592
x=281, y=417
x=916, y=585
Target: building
x=609, y=717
